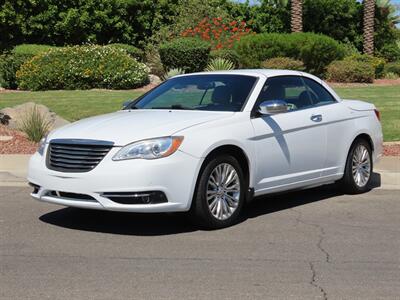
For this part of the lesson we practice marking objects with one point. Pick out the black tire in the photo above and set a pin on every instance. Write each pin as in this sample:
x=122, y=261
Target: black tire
x=200, y=209
x=348, y=183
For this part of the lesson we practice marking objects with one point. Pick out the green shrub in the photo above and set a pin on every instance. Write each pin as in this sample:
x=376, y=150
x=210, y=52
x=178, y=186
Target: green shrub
x=391, y=75
x=377, y=63
x=34, y=125
x=390, y=52
x=172, y=73
x=315, y=50
x=217, y=64
x=136, y=53
x=153, y=60
x=393, y=67
x=11, y=62
x=189, y=54
x=31, y=49
x=350, y=71
x=228, y=54
x=286, y=63
x=82, y=67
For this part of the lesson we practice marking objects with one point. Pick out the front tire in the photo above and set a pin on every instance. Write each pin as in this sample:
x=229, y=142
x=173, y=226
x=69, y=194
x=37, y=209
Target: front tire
x=358, y=170
x=220, y=193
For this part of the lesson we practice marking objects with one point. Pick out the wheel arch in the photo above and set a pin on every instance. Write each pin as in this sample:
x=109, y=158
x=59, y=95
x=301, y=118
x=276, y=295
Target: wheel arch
x=364, y=136
x=227, y=149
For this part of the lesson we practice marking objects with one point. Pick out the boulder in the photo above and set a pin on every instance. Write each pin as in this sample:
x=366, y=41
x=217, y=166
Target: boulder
x=154, y=79
x=15, y=115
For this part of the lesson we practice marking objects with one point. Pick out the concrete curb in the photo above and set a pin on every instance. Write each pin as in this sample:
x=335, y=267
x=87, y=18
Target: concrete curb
x=13, y=171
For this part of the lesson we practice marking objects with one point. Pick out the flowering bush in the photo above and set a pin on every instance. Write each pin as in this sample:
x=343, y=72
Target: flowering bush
x=220, y=33
x=82, y=67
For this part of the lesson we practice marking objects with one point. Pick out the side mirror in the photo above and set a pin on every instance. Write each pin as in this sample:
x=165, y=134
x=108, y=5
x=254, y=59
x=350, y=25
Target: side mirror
x=272, y=107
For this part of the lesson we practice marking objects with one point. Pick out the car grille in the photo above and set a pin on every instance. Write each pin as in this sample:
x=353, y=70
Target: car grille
x=76, y=155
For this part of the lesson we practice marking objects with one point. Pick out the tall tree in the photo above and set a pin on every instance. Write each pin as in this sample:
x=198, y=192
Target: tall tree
x=296, y=19
x=368, y=37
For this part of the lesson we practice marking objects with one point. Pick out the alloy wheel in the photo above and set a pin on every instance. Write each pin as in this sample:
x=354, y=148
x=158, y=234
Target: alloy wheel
x=223, y=191
x=361, y=165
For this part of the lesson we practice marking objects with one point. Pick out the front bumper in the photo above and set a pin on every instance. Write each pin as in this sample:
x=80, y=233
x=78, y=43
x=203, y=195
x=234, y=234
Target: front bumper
x=175, y=176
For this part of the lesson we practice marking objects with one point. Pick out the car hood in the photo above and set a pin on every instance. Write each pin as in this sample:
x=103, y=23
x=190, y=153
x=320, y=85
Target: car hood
x=127, y=126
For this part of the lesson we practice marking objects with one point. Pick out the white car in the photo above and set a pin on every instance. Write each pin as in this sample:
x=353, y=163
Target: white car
x=209, y=142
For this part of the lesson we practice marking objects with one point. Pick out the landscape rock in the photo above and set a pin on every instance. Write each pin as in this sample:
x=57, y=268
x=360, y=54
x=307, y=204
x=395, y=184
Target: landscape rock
x=17, y=113
x=154, y=79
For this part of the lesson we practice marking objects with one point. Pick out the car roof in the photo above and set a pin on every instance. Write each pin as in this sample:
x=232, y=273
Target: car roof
x=254, y=72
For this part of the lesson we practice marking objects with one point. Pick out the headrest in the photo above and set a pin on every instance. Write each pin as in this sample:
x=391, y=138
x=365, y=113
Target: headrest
x=221, y=95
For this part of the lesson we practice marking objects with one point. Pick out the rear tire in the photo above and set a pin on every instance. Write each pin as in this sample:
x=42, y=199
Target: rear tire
x=220, y=193
x=358, y=170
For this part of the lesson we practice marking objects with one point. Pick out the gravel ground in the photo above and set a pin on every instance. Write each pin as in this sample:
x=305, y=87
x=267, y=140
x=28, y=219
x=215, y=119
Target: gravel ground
x=18, y=144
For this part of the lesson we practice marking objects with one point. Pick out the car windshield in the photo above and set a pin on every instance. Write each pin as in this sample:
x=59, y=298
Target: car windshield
x=199, y=92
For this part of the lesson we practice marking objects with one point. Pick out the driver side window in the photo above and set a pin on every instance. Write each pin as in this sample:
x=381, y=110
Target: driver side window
x=290, y=89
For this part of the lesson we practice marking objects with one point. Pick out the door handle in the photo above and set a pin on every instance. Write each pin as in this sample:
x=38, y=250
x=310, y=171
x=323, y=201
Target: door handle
x=316, y=118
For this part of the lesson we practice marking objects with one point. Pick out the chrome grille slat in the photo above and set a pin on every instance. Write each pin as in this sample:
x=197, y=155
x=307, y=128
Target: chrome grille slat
x=69, y=166
x=76, y=155
x=69, y=148
x=74, y=161
x=79, y=152
x=56, y=155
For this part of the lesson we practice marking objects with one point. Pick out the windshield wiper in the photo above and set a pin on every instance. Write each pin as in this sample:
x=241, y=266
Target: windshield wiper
x=174, y=106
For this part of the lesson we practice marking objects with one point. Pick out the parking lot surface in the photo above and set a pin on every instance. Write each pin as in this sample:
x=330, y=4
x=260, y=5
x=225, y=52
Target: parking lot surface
x=314, y=244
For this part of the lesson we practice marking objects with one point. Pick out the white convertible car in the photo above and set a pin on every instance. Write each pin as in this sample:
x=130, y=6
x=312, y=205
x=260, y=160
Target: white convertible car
x=209, y=142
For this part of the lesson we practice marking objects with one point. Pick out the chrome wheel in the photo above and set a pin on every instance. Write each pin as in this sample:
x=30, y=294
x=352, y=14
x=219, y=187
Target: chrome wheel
x=223, y=191
x=361, y=165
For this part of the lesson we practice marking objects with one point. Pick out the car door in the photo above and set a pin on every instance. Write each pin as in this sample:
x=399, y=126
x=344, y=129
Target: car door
x=337, y=119
x=290, y=147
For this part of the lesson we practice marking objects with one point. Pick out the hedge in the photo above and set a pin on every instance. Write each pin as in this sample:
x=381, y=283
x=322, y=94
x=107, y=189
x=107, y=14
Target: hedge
x=350, y=71
x=316, y=51
x=11, y=62
x=285, y=63
x=136, y=53
x=393, y=67
x=376, y=62
x=188, y=54
x=82, y=67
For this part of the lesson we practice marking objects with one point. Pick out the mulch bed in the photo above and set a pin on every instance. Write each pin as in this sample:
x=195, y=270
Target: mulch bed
x=19, y=144
x=391, y=150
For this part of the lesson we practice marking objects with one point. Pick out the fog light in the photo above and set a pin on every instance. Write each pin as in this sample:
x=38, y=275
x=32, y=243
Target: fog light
x=152, y=197
x=36, y=188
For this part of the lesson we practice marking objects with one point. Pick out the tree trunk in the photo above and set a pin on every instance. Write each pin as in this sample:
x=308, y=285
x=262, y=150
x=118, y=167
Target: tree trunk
x=296, y=19
x=368, y=37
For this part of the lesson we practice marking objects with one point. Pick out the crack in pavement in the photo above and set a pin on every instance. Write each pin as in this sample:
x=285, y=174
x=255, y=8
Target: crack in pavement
x=313, y=282
x=321, y=236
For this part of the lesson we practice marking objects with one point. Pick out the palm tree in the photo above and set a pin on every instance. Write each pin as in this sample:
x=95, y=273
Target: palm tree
x=296, y=18
x=368, y=38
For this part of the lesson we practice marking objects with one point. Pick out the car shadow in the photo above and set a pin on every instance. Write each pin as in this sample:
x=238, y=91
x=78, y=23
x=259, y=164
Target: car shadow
x=175, y=223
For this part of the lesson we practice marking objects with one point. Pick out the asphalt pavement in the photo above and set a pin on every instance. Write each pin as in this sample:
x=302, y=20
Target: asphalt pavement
x=314, y=244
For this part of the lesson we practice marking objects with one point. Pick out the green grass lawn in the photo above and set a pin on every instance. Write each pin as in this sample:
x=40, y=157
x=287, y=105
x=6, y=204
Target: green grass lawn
x=75, y=105
x=386, y=99
x=72, y=105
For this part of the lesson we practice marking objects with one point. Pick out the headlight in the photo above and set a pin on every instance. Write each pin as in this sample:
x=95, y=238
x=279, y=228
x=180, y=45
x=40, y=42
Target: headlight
x=42, y=145
x=150, y=149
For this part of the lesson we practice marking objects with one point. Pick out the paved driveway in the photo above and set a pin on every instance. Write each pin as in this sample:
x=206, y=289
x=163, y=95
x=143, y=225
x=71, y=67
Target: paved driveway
x=313, y=244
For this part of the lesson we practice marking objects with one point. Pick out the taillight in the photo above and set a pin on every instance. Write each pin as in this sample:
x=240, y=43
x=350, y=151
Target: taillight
x=378, y=114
